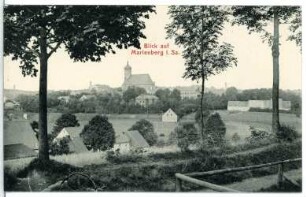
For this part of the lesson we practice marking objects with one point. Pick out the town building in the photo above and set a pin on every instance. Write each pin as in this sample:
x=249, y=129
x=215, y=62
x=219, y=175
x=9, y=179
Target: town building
x=87, y=97
x=19, y=140
x=64, y=99
x=169, y=116
x=130, y=140
x=75, y=143
x=137, y=80
x=146, y=99
x=189, y=92
x=257, y=104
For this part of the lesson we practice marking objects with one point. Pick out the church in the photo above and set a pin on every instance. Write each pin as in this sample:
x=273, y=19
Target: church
x=137, y=80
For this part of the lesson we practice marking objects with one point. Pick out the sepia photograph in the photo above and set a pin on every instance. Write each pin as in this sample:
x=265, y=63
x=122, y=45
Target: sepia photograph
x=152, y=98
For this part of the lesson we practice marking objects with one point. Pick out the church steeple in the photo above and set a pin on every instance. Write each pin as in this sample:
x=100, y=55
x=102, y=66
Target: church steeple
x=127, y=71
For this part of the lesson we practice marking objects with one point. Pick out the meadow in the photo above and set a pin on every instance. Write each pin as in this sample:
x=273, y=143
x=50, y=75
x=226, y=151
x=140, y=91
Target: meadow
x=236, y=122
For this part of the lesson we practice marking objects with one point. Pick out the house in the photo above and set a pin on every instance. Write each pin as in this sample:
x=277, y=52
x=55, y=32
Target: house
x=122, y=143
x=11, y=105
x=86, y=97
x=189, y=92
x=169, y=116
x=257, y=104
x=75, y=144
x=146, y=99
x=129, y=140
x=137, y=80
x=16, y=151
x=64, y=99
x=238, y=106
x=16, y=136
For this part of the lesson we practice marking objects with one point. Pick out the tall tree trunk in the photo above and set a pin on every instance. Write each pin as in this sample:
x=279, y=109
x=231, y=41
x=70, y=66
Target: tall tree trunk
x=43, y=134
x=203, y=80
x=275, y=89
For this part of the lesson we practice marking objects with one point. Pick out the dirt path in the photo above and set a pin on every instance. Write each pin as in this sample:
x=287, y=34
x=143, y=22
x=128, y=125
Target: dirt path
x=258, y=183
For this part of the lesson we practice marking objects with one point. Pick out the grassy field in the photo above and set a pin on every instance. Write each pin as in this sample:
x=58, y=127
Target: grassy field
x=236, y=122
x=239, y=122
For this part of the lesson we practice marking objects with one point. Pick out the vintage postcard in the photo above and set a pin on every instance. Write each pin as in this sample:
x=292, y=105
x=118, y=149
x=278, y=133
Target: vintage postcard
x=152, y=98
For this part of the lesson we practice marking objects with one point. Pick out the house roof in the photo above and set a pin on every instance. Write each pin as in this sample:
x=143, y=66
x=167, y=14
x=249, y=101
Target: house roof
x=73, y=131
x=169, y=111
x=139, y=79
x=238, y=103
x=19, y=132
x=15, y=151
x=122, y=138
x=76, y=145
x=137, y=139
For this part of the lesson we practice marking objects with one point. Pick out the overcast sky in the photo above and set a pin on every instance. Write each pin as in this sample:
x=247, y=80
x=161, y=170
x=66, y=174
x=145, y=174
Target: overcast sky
x=254, y=68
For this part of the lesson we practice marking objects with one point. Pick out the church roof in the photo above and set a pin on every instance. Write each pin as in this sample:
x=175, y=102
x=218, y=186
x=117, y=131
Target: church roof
x=139, y=79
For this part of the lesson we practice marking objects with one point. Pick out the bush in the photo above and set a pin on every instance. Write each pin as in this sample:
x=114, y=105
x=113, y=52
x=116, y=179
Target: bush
x=215, y=130
x=117, y=158
x=260, y=136
x=287, y=133
x=236, y=137
x=146, y=129
x=187, y=135
x=98, y=134
x=60, y=147
x=9, y=181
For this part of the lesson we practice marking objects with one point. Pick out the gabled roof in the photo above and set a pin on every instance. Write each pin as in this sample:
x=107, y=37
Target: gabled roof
x=137, y=139
x=73, y=131
x=76, y=145
x=19, y=132
x=139, y=79
x=15, y=151
x=169, y=111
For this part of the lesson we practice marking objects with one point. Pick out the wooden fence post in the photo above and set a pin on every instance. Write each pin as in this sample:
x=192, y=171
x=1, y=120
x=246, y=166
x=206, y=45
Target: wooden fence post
x=178, y=185
x=280, y=178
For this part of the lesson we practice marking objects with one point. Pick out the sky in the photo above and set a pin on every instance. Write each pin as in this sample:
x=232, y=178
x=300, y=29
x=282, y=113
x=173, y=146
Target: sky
x=254, y=69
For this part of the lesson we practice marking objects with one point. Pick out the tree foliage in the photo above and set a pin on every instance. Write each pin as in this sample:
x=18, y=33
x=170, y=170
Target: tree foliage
x=65, y=120
x=33, y=33
x=146, y=129
x=197, y=29
x=186, y=134
x=131, y=93
x=215, y=130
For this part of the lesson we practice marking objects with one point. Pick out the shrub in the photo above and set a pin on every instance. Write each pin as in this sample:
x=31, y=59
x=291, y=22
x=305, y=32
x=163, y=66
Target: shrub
x=187, y=135
x=146, y=129
x=117, y=158
x=287, y=133
x=236, y=137
x=215, y=130
x=98, y=134
x=260, y=136
x=60, y=147
x=9, y=181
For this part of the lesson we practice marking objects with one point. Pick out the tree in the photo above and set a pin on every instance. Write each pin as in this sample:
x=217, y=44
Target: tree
x=65, y=120
x=146, y=129
x=256, y=19
x=215, y=129
x=32, y=34
x=196, y=29
x=98, y=134
x=131, y=93
x=186, y=135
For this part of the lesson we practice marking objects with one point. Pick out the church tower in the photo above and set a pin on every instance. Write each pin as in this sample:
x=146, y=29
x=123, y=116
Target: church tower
x=127, y=71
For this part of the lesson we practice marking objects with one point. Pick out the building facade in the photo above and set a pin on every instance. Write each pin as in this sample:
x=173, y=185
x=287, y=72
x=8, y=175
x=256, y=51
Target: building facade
x=137, y=80
x=257, y=104
x=169, y=116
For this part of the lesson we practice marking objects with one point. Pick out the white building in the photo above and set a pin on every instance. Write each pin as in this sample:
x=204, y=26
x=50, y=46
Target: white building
x=169, y=116
x=257, y=104
x=130, y=140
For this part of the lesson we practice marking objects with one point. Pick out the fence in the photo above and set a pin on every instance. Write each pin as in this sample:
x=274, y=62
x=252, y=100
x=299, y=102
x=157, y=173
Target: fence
x=189, y=177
